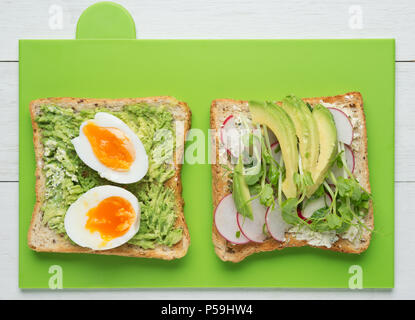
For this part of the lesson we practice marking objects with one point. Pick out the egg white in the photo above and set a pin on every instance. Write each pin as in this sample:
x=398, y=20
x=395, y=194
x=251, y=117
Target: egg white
x=138, y=168
x=76, y=218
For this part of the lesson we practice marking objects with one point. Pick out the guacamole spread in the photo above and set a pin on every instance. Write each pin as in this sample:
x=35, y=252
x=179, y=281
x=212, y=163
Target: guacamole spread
x=67, y=177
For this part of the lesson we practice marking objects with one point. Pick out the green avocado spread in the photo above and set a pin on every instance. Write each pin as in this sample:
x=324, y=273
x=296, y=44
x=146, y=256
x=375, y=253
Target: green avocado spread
x=67, y=177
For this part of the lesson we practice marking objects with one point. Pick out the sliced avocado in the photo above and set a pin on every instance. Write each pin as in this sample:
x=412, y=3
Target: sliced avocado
x=280, y=123
x=306, y=130
x=240, y=192
x=328, y=145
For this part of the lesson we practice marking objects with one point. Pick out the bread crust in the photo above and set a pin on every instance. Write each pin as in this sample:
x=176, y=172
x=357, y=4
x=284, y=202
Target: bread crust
x=42, y=239
x=352, y=104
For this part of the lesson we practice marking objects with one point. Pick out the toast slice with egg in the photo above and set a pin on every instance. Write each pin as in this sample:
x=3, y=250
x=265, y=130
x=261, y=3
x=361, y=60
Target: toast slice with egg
x=352, y=105
x=43, y=239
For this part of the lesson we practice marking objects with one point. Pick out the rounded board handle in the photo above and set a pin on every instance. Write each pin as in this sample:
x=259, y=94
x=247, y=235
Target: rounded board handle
x=105, y=20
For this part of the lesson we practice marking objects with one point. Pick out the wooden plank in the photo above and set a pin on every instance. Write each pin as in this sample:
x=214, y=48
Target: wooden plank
x=404, y=122
x=220, y=19
x=9, y=121
x=404, y=267
x=9, y=244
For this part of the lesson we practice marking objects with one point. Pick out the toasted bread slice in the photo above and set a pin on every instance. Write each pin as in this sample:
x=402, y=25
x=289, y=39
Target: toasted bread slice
x=351, y=104
x=42, y=238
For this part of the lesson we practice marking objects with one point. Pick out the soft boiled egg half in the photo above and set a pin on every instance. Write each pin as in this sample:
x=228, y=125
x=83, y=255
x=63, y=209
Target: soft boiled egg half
x=107, y=145
x=103, y=218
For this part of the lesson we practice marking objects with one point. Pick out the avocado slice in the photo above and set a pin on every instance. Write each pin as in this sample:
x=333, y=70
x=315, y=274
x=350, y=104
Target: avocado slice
x=275, y=118
x=241, y=194
x=328, y=145
x=306, y=130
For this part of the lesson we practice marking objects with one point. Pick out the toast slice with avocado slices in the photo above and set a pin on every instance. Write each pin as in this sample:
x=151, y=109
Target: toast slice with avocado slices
x=61, y=177
x=310, y=141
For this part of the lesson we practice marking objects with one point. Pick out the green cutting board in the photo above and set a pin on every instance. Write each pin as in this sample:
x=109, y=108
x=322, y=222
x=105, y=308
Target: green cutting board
x=198, y=71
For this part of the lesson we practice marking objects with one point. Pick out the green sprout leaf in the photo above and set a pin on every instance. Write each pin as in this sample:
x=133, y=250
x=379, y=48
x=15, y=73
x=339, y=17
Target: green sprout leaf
x=289, y=211
x=267, y=196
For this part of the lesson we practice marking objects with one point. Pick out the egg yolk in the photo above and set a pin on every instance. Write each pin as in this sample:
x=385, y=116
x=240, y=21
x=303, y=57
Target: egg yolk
x=111, y=146
x=112, y=218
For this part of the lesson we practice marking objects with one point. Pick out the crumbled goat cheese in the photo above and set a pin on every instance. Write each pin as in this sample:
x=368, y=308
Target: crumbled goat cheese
x=314, y=238
x=353, y=234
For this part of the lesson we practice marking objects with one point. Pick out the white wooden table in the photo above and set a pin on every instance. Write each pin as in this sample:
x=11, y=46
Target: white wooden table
x=217, y=19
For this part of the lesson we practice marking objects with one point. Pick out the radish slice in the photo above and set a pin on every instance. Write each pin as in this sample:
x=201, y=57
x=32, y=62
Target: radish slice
x=350, y=161
x=300, y=214
x=254, y=229
x=277, y=156
x=234, y=137
x=228, y=124
x=275, y=223
x=344, y=126
x=230, y=136
x=348, y=152
x=312, y=206
x=226, y=223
